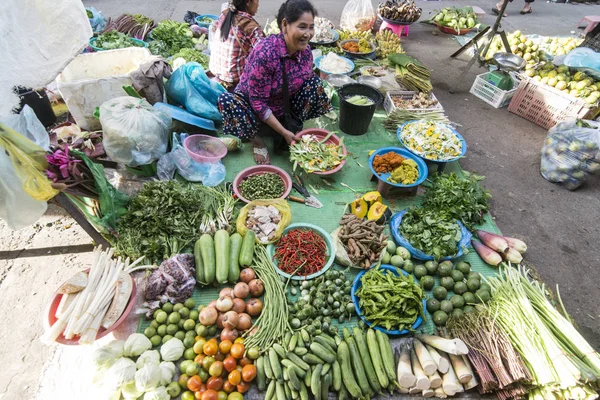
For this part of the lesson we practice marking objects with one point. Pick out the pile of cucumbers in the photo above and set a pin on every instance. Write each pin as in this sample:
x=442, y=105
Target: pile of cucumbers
x=219, y=258
x=361, y=364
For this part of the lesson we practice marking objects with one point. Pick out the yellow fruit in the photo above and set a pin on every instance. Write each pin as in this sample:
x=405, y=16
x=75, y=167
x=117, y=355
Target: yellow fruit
x=581, y=85
x=563, y=69
x=537, y=78
x=521, y=46
x=561, y=85
x=517, y=33
x=545, y=80
x=523, y=39
x=514, y=48
x=527, y=56
x=552, y=74
x=535, y=47
x=552, y=82
x=561, y=77
x=574, y=93
x=529, y=72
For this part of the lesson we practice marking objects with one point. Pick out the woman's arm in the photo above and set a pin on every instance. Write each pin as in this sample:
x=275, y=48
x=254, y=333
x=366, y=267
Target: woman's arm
x=274, y=123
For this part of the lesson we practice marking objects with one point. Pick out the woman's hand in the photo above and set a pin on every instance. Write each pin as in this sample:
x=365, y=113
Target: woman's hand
x=289, y=137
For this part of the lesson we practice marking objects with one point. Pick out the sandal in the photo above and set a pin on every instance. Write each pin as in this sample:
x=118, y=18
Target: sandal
x=261, y=156
x=523, y=12
x=497, y=12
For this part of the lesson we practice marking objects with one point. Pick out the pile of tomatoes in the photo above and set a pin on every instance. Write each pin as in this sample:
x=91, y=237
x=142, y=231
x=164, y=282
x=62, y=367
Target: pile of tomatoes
x=218, y=371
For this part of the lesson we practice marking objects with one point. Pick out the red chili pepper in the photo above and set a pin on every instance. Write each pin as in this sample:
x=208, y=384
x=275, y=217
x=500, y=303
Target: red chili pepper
x=301, y=252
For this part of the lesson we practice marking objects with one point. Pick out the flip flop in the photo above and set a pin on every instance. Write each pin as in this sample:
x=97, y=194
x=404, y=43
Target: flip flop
x=526, y=12
x=497, y=12
x=262, y=152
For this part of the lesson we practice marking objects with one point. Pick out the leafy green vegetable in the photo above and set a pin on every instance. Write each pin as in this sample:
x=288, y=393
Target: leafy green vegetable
x=432, y=233
x=142, y=19
x=115, y=40
x=458, y=198
x=176, y=35
x=190, y=55
x=159, y=48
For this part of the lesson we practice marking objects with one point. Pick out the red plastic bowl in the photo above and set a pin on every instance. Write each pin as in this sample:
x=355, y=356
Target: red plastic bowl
x=452, y=31
x=204, y=148
x=51, y=317
x=333, y=139
x=261, y=169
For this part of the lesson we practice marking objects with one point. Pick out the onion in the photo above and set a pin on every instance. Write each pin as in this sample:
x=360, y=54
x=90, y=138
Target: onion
x=230, y=320
x=254, y=307
x=213, y=304
x=220, y=320
x=226, y=292
x=244, y=322
x=239, y=305
x=257, y=288
x=241, y=290
x=208, y=316
x=224, y=303
x=247, y=275
x=229, y=334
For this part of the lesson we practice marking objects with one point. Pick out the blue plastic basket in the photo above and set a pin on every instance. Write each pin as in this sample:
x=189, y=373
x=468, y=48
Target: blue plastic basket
x=140, y=43
x=421, y=166
x=205, y=24
x=318, y=65
x=462, y=140
x=357, y=284
x=395, y=222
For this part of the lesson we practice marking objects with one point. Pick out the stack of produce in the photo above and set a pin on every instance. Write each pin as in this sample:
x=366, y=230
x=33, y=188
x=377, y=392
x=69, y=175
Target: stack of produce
x=411, y=73
x=301, y=252
x=418, y=100
x=520, y=45
x=363, y=239
x=560, y=46
x=263, y=221
x=313, y=154
x=267, y=185
x=435, y=366
x=576, y=84
x=388, y=43
x=137, y=25
x=399, y=10
x=192, y=55
x=347, y=35
x=456, y=18
x=321, y=302
x=496, y=248
x=115, y=40
x=174, y=37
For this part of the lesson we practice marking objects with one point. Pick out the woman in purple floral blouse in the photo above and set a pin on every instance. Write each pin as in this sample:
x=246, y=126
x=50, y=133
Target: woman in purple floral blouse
x=258, y=98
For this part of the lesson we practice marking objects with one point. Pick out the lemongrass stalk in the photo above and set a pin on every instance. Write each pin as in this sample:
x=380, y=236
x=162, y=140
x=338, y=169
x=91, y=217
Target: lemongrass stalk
x=59, y=326
x=91, y=332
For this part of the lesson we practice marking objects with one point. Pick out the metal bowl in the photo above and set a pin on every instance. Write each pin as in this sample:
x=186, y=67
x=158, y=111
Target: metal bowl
x=372, y=81
x=339, y=80
x=508, y=61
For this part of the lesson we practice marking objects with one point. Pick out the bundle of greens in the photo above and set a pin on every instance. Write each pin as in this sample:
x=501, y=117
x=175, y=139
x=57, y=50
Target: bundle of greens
x=400, y=116
x=115, y=40
x=137, y=26
x=411, y=73
x=176, y=35
x=434, y=234
x=461, y=198
x=159, y=48
x=166, y=217
x=192, y=55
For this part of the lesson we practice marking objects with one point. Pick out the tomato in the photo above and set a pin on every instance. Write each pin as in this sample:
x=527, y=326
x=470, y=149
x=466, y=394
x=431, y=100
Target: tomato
x=253, y=353
x=207, y=362
x=243, y=387
x=234, y=377
x=239, y=340
x=235, y=396
x=198, y=395
x=214, y=383
x=222, y=395
x=187, y=395
x=198, y=346
x=245, y=361
x=216, y=369
x=229, y=363
x=199, y=358
x=249, y=373
x=239, y=368
x=237, y=350
x=203, y=375
x=194, y=383
x=210, y=395
x=225, y=346
x=210, y=348
x=219, y=356
x=183, y=379
x=228, y=387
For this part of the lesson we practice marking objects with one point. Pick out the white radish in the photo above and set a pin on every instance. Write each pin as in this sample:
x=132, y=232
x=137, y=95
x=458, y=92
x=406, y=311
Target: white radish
x=425, y=359
x=441, y=362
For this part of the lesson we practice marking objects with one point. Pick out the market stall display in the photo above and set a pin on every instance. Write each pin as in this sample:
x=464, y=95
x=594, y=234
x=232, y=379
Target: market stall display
x=318, y=151
x=137, y=26
x=333, y=64
x=456, y=21
x=411, y=73
x=401, y=12
x=434, y=141
x=398, y=167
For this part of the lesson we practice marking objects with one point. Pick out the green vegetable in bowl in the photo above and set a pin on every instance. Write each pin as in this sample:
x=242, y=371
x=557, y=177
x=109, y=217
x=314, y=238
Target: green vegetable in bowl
x=115, y=40
x=433, y=234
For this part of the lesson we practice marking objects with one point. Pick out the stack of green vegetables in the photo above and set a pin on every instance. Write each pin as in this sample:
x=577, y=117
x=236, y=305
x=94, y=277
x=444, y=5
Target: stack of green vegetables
x=174, y=37
x=192, y=55
x=411, y=73
x=456, y=18
x=115, y=40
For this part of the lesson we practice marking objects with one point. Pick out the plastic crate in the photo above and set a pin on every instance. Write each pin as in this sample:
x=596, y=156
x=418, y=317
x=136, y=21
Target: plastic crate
x=491, y=94
x=389, y=105
x=546, y=106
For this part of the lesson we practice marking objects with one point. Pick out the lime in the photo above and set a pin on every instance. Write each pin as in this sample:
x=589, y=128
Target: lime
x=201, y=330
x=473, y=284
x=189, y=354
x=447, y=264
x=444, y=270
x=446, y=306
x=427, y=282
x=177, y=307
x=155, y=340
x=154, y=323
x=457, y=275
x=191, y=333
x=447, y=282
x=397, y=261
x=468, y=309
x=180, y=323
x=457, y=313
x=485, y=286
x=168, y=307
x=464, y=267
x=189, y=324
x=160, y=316
x=149, y=332
x=386, y=258
x=155, y=313
x=166, y=338
x=469, y=298
x=440, y=293
x=212, y=331
x=193, y=315
x=474, y=274
x=180, y=335
x=161, y=330
x=460, y=288
x=174, y=318
x=190, y=303
x=187, y=340
x=432, y=267
x=420, y=271
x=483, y=295
x=408, y=266
x=235, y=396
x=440, y=318
x=253, y=353
x=457, y=301
x=173, y=389
x=192, y=368
x=184, y=312
x=391, y=247
x=432, y=305
x=403, y=252
x=172, y=329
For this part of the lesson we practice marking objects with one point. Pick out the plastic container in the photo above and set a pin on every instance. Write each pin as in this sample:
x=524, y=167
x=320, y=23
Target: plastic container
x=204, y=149
x=330, y=252
x=50, y=317
x=421, y=166
x=206, y=24
x=395, y=223
x=458, y=135
x=39, y=103
x=261, y=169
x=357, y=284
x=355, y=120
x=322, y=134
x=491, y=94
x=389, y=105
x=136, y=43
x=370, y=55
x=93, y=78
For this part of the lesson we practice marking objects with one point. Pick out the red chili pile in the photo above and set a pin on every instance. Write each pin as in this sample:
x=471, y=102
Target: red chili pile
x=301, y=252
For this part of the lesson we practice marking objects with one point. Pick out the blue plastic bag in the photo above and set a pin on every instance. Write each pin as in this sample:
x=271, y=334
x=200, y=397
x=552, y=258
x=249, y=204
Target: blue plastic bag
x=98, y=22
x=584, y=59
x=190, y=87
x=395, y=222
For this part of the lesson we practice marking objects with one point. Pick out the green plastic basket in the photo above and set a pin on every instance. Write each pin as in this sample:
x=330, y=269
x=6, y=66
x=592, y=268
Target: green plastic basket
x=136, y=43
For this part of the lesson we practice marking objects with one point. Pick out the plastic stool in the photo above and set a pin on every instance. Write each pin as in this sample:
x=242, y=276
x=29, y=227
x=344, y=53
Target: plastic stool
x=591, y=20
x=397, y=29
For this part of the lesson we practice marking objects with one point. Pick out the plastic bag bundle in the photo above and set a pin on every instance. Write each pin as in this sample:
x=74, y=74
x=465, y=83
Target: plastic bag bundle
x=584, y=59
x=28, y=125
x=97, y=20
x=190, y=87
x=135, y=133
x=280, y=204
x=358, y=15
x=570, y=152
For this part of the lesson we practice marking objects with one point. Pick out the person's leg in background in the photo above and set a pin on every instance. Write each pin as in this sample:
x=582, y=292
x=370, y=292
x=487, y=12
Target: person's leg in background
x=527, y=9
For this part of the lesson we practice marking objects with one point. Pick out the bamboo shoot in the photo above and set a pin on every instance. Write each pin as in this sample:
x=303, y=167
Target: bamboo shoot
x=422, y=380
x=450, y=383
x=435, y=380
x=428, y=393
x=452, y=346
x=425, y=359
x=119, y=301
x=462, y=371
x=441, y=362
x=439, y=393
x=406, y=379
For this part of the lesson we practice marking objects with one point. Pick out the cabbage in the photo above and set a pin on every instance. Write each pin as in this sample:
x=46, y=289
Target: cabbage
x=136, y=344
x=130, y=391
x=150, y=357
x=120, y=373
x=160, y=393
x=106, y=355
x=172, y=350
x=148, y=378
x=167, y=370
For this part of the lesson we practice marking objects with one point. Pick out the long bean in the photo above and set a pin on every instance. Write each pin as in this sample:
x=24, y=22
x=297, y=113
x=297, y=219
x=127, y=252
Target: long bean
x=272, y=323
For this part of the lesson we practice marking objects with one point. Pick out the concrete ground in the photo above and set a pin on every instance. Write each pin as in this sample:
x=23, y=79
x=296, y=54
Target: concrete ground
x=560, y=227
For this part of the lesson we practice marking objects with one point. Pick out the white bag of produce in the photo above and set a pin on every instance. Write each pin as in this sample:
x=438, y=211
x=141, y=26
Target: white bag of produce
x=358, y=15
x=135, y=133
x=571, y=152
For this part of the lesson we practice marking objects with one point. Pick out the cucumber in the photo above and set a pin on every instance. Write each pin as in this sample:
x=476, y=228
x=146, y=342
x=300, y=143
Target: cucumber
x=363, y=350
x=270, y=390
x=222, y=255
x=247, y=251
x=293, y=341
x=376, y=358
x=300, y=351
x=327, y=339
x=300, y=373
x=308, y=377
x=279, y=350
x=288, y=390
x=315, y=382
x=358, y=367
x=207, y=247
x=297, y=360
x=347, y=374
x=235, y=246
x=303, y=392
x=325, y=386
x=261, y=378
x=387, y=354
x=275, y=367
x=294, y=380
x=323, y=352
x=343, y=393
x=199, y=264
x=280, y=391
x=320, y=340
x=267, y=366
x=337, y=376
x=312, y=359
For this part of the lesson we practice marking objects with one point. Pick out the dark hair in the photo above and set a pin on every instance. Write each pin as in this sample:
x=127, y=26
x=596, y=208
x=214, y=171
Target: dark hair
x=234, y=7
x=292, y=10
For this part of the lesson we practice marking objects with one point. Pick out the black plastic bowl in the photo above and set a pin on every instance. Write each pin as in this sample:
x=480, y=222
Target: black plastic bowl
x=355, y=120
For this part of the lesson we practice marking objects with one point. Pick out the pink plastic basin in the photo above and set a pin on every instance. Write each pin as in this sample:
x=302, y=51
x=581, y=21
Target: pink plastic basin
x=261, y=169
x=333, y=139
x=204, y=148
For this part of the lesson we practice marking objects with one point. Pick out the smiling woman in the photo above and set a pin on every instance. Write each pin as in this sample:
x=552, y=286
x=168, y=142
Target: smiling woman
x=278, y=89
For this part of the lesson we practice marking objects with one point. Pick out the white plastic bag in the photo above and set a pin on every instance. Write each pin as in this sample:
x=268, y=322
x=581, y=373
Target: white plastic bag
x=135, y=133
x=28, y=125
x=358, y=15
